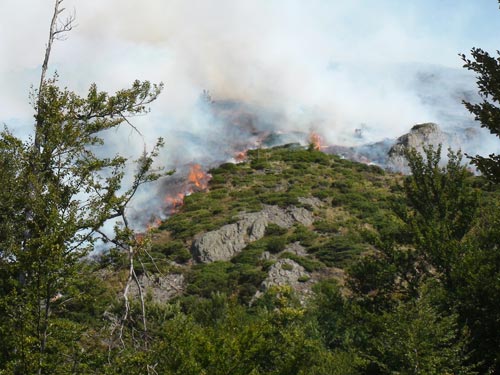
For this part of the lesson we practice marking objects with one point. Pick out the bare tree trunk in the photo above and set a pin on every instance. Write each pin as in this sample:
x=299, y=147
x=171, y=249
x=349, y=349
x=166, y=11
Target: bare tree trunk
x=132, y=277
x=56, y=32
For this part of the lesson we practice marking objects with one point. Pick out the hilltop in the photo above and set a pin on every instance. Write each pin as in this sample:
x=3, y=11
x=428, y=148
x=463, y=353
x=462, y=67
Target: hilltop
x=300, y=209
x=293, y=251
x=294, y=261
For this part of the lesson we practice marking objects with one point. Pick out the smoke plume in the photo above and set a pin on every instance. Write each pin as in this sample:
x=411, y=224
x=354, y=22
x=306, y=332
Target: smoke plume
x=354, y=72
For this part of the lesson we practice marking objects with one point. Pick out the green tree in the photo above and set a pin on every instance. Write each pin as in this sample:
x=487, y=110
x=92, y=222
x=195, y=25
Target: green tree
x=389, y=320
x=417, y=339
x=477, y=289
x=487, y=112
x=442, y=208
x=58, y=193
x=266, y=341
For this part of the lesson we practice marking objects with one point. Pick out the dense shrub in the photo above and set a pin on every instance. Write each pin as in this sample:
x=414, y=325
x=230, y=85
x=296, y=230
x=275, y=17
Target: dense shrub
x=337, y=251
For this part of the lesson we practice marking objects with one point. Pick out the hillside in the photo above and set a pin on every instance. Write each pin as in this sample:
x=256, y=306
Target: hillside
x=294, y=261
x=322, y=253
x=318, y=211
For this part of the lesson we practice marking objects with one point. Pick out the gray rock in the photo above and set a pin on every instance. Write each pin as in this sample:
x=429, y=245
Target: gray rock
x=296, y=248
x=224, y=243
x=419, y=136
x=284, y=272
x=221, y=244
x=311, y=201
x=161, y=288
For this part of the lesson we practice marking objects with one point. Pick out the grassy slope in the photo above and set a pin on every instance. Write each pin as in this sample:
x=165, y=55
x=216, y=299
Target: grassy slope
x=357, y=202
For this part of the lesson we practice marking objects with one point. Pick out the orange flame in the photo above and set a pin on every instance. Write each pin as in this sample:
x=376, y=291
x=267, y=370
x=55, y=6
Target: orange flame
x=316, y=141
x=155, y=223
x=197, y=180
x=173, y=202
x=241, y=156
x=198, y=177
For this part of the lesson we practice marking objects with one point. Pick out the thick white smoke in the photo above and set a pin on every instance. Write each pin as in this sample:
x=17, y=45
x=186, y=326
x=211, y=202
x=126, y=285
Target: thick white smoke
x=284, y=65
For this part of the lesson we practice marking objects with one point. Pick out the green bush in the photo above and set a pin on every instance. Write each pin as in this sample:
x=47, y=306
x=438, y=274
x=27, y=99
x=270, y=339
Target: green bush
x=258, y=164
x=337, y=251
x=324, y=226
x=309, y=265
x=251, y=254
x=182, y=255
x=302, y=234
x=275, y=230
x=204, y=279
x=276, y=244
x=322, y=194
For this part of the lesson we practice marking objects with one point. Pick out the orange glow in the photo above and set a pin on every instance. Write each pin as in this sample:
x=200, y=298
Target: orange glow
x=173, y=202
x=240, y=156
x=316, y=141
x=198, y=177
x=155, y=223
x=197, y=180
x=139, y=238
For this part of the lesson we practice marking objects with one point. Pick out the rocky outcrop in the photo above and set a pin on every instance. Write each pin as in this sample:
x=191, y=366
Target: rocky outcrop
x=224, y=243
x=313, y=202
x=285, y=272
x=161, y=288
x=419, y=136
x=294, y=248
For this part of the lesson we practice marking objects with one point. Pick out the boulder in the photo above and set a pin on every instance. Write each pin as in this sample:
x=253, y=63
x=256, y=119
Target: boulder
x=227, y=241
x=419, y=136
x=161, y=288
x=284, y=272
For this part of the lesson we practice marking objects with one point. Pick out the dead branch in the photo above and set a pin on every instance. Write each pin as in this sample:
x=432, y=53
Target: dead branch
x=57, y=31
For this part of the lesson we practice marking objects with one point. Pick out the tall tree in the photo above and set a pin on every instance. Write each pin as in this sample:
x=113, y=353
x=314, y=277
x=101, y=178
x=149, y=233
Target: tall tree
x=442, y=207
x=58, y=193
x=487, y=112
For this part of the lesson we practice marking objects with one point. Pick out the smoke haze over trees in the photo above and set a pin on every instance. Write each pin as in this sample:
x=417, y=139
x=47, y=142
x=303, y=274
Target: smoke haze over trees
x=337, y=267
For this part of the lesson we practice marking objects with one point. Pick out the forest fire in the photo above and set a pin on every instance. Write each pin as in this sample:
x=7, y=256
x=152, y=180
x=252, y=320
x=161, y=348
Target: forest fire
x=198, y=177
x=194, y=180
x=316, y=141
x=197, y=180
x=240, y=156
x=173, y=202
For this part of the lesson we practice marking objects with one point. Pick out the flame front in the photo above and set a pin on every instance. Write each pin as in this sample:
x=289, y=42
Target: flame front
x=316, y=141
x=198, y=177
x=197, y=180
x=241, y=156
x=173, y=202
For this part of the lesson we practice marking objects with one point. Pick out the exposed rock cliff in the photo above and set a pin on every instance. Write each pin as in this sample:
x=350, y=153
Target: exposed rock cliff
x=224, y=243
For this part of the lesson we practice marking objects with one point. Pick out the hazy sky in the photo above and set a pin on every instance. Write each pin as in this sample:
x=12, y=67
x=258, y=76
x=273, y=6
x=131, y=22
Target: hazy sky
x=329, y=65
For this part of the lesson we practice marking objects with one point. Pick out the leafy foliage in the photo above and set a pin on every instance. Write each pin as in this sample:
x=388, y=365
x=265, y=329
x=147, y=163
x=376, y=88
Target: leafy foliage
x=487, y=68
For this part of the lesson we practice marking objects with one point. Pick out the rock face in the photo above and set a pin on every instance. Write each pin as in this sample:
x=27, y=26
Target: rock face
x=161, y=288
x=224, y=243
x=420, y=135
x=284, y=272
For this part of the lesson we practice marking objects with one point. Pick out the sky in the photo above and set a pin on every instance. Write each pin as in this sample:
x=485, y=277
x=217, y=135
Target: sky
x=313, y=61
x=329, y=66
